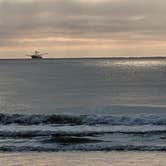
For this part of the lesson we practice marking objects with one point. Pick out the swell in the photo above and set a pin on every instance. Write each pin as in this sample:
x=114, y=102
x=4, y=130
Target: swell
x=6, y=119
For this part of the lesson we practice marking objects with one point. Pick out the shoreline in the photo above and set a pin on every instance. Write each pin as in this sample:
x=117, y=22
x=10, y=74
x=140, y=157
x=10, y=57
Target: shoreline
x=84, y=158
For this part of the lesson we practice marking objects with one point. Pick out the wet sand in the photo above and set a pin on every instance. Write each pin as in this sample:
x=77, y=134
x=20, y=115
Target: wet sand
x=84, y=159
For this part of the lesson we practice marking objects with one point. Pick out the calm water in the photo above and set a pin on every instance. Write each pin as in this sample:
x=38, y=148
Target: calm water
x=83, y=104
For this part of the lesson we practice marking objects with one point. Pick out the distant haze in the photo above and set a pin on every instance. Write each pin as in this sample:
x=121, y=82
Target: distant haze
x=83, y=28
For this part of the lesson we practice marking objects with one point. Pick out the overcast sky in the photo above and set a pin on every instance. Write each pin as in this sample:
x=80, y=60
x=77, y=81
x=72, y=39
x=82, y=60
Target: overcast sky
x=83, y=28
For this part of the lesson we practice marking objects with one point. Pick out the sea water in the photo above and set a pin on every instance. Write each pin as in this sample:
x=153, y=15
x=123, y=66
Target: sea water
x=83, y=104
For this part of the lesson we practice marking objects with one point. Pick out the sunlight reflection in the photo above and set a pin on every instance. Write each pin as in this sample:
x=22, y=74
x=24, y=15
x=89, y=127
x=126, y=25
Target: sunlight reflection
x=127, y=63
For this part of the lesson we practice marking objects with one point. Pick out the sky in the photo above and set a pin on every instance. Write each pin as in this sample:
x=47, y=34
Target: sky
x=82, y=28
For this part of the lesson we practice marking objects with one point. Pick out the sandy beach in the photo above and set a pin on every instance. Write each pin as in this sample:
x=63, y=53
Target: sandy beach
x=84, y=159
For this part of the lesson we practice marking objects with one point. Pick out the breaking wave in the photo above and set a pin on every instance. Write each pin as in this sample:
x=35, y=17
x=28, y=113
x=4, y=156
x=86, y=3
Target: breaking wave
x=20, y=132
x=82, y=119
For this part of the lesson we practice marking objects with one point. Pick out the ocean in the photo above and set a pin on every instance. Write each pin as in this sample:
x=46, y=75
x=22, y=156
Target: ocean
x=105, y=104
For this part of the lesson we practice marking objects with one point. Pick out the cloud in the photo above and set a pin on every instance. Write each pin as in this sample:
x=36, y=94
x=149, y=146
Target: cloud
x=123, y=21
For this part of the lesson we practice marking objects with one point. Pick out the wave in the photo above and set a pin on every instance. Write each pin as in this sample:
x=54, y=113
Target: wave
x=82, y=148
x=82, y=133
x=79, y=131
x=6, y=119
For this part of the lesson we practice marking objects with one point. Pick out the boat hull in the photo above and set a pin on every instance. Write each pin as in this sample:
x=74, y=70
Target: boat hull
x=36, y=57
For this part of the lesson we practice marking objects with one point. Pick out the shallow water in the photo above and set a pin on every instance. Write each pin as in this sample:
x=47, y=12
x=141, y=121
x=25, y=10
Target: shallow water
x=83, y=105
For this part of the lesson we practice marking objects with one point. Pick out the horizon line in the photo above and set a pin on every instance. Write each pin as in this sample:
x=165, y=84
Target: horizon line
x=118, y=57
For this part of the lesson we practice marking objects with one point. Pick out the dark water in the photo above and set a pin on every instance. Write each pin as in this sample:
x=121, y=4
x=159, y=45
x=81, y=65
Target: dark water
x=83, y=104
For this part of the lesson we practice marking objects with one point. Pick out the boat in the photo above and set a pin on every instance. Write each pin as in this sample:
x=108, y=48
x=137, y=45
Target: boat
x=37, y=55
